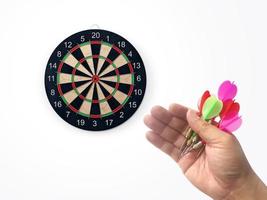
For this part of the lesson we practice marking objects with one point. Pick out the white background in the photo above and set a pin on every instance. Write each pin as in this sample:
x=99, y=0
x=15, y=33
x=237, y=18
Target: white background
x=187, y=46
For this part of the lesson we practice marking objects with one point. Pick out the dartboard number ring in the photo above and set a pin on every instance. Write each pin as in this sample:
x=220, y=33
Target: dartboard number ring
x=95, y=80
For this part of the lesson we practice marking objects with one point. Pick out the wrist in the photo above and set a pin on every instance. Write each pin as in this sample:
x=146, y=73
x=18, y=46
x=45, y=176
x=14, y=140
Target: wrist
x=251, y=188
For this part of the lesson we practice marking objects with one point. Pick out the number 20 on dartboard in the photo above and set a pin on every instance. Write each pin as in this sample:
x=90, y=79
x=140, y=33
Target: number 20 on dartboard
x=95, y=80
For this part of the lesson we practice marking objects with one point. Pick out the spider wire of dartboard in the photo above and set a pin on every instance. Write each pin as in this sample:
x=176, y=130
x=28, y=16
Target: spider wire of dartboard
x=95, y=80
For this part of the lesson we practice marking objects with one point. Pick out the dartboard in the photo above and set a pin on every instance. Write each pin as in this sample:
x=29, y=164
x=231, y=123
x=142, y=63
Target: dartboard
x=95, y=80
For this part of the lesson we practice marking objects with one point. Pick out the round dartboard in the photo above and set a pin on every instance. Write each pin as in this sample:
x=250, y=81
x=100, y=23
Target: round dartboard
x=95, y=80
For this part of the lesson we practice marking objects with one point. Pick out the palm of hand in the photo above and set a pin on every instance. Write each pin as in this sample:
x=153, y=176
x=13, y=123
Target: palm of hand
x=217, y=169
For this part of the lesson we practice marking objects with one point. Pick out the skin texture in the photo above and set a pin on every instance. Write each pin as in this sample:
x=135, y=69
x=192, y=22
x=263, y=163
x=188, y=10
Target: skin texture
x=221, y=171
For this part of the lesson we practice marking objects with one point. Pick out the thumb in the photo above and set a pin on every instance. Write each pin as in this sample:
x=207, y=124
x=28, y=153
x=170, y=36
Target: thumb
x=209, y=133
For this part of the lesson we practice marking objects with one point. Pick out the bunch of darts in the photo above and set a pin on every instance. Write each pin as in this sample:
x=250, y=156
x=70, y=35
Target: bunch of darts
x=221, y=111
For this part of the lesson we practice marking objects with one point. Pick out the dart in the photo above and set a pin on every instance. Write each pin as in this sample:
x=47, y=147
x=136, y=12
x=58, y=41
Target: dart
x=230, y=109
x=188, y=131
x=204, y=97
x=230, y=125
x=210, y=108
x=227, y=90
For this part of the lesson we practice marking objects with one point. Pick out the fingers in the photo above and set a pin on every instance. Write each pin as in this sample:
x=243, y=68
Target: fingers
x=164, y=131
x=163, y=145
x=167, y=118
x=206, y=131
x=178, y=111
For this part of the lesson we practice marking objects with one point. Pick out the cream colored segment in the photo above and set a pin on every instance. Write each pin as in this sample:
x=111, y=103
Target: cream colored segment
x=107, y=70
x=104, y=51
x=86, y=105
x=126, y=79
x=120, y=96
x=87, y=51
x=99, y=92
x=104, y=106
x=70, y=96
x=109, y=78
x=120, y=61
x=64, y=78
x=107, y=87
x=83, y=69
x=99, y=65
x=81, y=88
x=81, y=78
x=71, y=60
x=91, y=64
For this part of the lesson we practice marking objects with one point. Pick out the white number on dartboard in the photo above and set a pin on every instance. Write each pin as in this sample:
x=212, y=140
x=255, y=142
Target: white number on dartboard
x=67, y=113
x=138, y=78
x=58, y=104
x=94, y=123
x=132, y=104
x=95, y=35
x=109, y=122
x=130, y=54
x=137, y=65
x=121, y=44
x=82, y=38
x=53, y=65
x=51, y=78
x=138, y=92
x=59, y=54
x=121, y=115
x=68, y=44
x=80, y=122
x=52, y=92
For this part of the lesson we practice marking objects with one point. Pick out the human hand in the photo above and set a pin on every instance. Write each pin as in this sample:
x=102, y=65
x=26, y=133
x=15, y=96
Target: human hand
x=221, y=171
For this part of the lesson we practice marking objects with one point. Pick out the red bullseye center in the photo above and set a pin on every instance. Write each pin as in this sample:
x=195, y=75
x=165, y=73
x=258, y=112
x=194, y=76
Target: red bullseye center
x=95, y=78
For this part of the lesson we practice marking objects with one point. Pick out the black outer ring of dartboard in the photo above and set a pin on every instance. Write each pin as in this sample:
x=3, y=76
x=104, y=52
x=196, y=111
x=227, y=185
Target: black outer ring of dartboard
x=105, y=122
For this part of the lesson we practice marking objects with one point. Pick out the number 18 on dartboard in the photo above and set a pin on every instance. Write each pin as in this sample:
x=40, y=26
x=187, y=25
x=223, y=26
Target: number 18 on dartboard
x=95, y=80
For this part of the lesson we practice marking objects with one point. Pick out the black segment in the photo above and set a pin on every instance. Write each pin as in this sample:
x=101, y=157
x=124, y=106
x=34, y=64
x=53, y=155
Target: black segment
x=125, y=88
x=113, y=103
x=66, y=69
x=85, y=92
x=113, y=54
x=78, y=54
x=76, y=103
x=85, y=64
x=105, y=92
x=95, y=51
x=124, y=69
x=66, y=87
x=78, y=84
x=112, y=73
x=110, y=83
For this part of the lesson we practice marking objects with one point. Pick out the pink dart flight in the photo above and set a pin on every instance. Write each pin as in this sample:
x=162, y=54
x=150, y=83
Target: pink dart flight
x=227, y=90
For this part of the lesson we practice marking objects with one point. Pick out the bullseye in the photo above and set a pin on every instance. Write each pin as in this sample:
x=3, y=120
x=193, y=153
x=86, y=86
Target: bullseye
x=95, y=78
